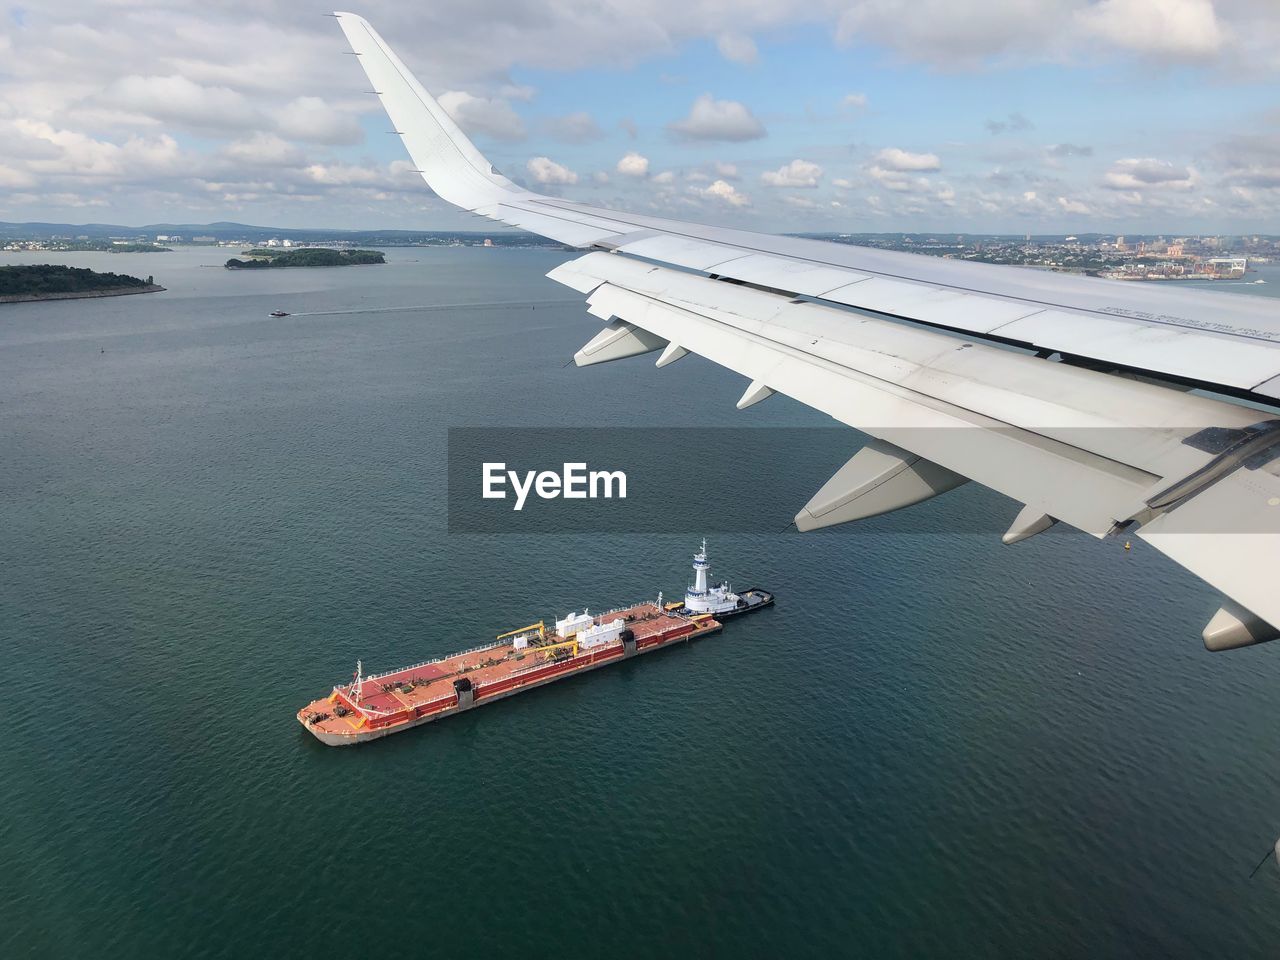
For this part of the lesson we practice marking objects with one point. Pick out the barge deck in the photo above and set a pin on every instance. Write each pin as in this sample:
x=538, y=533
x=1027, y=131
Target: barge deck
x=375, y=706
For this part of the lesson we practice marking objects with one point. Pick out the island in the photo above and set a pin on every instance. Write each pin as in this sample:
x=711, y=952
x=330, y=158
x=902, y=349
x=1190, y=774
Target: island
x=261, y=258
x=52, y=281
x=118, y=247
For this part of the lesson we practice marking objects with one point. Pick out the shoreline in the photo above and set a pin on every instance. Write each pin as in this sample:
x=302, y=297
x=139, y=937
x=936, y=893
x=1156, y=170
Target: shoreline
x=303, y=266
x=81, y=294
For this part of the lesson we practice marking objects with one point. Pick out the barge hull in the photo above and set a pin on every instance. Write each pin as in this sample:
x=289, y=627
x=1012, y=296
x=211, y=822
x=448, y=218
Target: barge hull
x=339, y=732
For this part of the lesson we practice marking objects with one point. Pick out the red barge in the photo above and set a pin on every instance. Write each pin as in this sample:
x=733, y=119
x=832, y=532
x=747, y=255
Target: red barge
x=374, y=706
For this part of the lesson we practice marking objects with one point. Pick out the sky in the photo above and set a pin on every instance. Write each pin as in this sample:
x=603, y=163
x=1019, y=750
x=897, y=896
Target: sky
x=997, y=116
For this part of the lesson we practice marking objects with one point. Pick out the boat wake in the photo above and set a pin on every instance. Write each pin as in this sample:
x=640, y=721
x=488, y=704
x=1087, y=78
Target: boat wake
x=484, y=305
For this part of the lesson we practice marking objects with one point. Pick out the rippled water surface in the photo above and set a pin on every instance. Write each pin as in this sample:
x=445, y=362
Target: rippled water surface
x=933, y=744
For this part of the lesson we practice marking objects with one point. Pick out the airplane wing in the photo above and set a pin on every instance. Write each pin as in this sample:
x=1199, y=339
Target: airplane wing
x=1070, y=395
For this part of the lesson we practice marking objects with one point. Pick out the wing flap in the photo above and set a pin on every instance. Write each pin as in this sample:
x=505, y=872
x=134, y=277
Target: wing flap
x=681, y=251
x=575, y=233
x=1129, y=343
x=790, y=276
x=1229, y=535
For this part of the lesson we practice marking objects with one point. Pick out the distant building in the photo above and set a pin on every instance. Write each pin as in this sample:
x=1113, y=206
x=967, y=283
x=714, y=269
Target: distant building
x=1227, y=268
x=488, y=242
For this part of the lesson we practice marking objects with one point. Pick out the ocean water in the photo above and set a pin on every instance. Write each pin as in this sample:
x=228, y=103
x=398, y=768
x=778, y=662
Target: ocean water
x=932, y=745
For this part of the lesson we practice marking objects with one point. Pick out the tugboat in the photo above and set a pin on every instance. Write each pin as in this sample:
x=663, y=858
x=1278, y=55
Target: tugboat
x=279, y=313
x=718, y=599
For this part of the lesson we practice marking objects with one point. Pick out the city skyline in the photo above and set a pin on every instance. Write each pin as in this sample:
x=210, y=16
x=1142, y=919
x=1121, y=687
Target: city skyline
x=1040, y=116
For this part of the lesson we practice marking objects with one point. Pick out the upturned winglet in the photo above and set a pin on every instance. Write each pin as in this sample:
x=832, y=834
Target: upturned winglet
x=448, y=161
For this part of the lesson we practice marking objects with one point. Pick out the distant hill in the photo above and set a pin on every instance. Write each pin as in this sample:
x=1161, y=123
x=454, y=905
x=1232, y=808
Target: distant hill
x=228, y=230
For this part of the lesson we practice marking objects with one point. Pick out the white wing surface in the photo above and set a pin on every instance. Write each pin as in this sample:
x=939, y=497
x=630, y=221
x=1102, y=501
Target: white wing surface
x=1097, y=429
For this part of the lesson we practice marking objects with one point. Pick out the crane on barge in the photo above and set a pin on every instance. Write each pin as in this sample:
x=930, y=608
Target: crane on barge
x=540, y=627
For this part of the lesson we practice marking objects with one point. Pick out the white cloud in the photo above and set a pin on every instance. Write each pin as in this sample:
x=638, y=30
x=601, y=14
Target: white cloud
x=800, y=203
x=578, y=127
x=1250, y=161
x=724, y=192
x=517, y=91
x=634, y=165
x=1013, y=123
x=546, y=170
x=176, y=99
x=405, y=170
x=265, y=149
x=160, y=110
x=898, y=181
x=1177, y=29
x=892, y=158
x=1137, y=173
x=949, y=33
x=313, y=120
x=665, y=177
x=712, y=119
x=895, y=169
x=797, y=173
x=493, y=117
x=737, y=47
x=12, y=179
x=74, y=154
x=57, y=200
x=1064, y=150
x=343, y=174
x=726, y=171
x=1074, y=206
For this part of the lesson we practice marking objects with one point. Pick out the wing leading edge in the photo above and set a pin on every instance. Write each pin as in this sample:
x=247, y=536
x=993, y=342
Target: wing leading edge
x=1085, y=442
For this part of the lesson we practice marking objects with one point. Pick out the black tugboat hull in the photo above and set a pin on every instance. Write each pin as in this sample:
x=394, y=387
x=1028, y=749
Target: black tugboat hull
x=756, y=598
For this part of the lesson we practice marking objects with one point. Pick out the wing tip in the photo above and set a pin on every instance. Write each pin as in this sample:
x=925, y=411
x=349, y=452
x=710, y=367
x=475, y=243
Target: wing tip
x=355, y=18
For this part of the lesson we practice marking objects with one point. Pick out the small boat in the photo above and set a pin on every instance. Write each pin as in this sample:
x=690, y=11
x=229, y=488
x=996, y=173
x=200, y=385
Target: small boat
x=279, y=313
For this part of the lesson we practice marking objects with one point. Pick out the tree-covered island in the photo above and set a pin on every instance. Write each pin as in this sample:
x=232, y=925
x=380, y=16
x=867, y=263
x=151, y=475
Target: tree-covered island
x=261, y=258
x=53, y=281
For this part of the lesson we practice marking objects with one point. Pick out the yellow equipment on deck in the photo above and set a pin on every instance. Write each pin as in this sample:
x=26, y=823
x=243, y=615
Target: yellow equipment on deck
x=571, y=645
x=539, y=626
